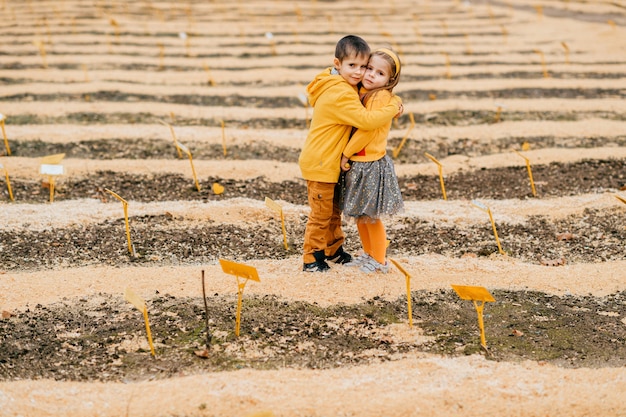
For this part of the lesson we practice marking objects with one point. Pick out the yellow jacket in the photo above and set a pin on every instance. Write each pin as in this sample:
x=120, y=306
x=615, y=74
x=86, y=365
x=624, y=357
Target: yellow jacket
x=368, y=146
x=336, y=108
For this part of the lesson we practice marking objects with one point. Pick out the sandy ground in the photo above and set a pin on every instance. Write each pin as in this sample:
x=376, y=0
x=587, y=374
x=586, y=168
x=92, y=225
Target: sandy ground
x=412, y=385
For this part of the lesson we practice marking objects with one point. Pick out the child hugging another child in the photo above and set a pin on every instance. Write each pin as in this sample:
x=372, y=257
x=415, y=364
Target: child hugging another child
x=336, y=109
x=371, y=185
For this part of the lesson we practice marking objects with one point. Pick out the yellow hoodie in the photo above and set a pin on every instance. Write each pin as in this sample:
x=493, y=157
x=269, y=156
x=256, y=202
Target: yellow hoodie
x=337, y=108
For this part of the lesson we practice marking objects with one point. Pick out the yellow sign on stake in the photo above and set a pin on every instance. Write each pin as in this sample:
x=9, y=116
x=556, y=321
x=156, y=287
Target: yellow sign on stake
x=125, y=205
x=53, y=159
x=408, y=290
x=277, y=208
x=476, y=295
x=483, y=207
x=6, y=176
x=4, y=135
x=396, y=151
x=51, y=171
x=530, y=173
x=240, y=271
x=140, y=305
x=440, y=167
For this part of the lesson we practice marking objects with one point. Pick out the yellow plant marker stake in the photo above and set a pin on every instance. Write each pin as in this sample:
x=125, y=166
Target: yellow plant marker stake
x=4, y=135
x=53, y=159
x=566, y=52
x=476, y=295
x=240, y=271
x=6, y=175
x=408, y=289
x=396, y=151
x=180, y=154
x=277, y=208
x=440, y=167
x=270, y=37
x=42, y=51
x=223, y=137
x=161, y=56
x=448, y=73
x=51, y=170
x=543, y=63
x=530, y=173
x=498, y=115
x=125, y=205
x=483, y=207
x=623, y=200
x=193, y=170
x=504, y=33
x=208, y=71
x=140, y=304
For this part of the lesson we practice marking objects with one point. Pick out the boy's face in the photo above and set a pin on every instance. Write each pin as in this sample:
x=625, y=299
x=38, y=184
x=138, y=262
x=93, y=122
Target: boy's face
x=352, y=68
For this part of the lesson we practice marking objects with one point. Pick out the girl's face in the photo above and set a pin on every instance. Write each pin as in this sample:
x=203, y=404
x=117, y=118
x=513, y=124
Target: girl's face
x=377, y=74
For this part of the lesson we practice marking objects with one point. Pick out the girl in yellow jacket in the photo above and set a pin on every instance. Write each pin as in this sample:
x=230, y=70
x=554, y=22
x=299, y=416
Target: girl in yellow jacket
x=372, y=189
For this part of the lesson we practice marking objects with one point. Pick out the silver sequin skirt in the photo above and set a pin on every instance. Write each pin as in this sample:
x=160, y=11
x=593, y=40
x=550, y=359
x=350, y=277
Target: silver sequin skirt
x=371, y=189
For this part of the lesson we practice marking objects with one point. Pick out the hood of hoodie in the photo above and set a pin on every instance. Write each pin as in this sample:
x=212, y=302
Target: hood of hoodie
x=322, y=82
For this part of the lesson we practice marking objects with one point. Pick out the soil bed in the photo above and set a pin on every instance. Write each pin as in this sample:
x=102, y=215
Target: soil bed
x=102, y=338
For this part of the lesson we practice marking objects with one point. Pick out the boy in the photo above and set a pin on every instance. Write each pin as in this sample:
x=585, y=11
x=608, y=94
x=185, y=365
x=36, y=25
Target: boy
x=337, y=109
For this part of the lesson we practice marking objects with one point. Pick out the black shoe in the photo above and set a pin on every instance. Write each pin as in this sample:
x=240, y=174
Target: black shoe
x=340, y=257
x=317, y=266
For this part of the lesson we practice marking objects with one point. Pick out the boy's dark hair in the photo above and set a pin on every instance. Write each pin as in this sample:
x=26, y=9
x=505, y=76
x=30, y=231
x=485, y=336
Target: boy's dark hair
x=351, y=45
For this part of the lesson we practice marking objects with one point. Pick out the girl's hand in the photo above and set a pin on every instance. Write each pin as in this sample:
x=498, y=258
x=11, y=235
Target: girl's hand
x=345, y=163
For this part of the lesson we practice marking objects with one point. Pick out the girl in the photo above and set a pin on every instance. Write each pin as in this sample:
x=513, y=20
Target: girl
x=371, y=185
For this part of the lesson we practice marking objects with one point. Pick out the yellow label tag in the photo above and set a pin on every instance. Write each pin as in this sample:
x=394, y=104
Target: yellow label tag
x=114, y=194
x=134, y=299
x=466, y=292
x=217, y=189
x=273, y=205
x=53, y=159
x=240, y=270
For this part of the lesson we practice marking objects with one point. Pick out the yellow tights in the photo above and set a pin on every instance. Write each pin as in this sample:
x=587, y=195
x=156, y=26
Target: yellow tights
x=373, y=238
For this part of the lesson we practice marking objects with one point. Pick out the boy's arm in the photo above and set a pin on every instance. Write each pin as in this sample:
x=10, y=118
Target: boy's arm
x=351, y=112
x=361, y=140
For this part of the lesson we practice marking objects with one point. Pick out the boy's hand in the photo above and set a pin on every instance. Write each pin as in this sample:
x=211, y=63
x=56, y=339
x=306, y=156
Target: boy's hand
x=400, y=107
x=400, y=111
x=345, y=163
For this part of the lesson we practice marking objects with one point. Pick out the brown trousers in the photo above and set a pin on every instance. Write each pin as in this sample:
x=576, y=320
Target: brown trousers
x=323, y=229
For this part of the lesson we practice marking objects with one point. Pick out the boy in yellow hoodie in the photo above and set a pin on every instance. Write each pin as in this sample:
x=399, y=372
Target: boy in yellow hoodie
x=336, y=109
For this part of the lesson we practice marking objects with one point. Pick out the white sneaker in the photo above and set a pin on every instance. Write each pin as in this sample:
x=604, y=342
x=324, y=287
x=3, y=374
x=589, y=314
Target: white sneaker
x=372, y=265
x=358, y=260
